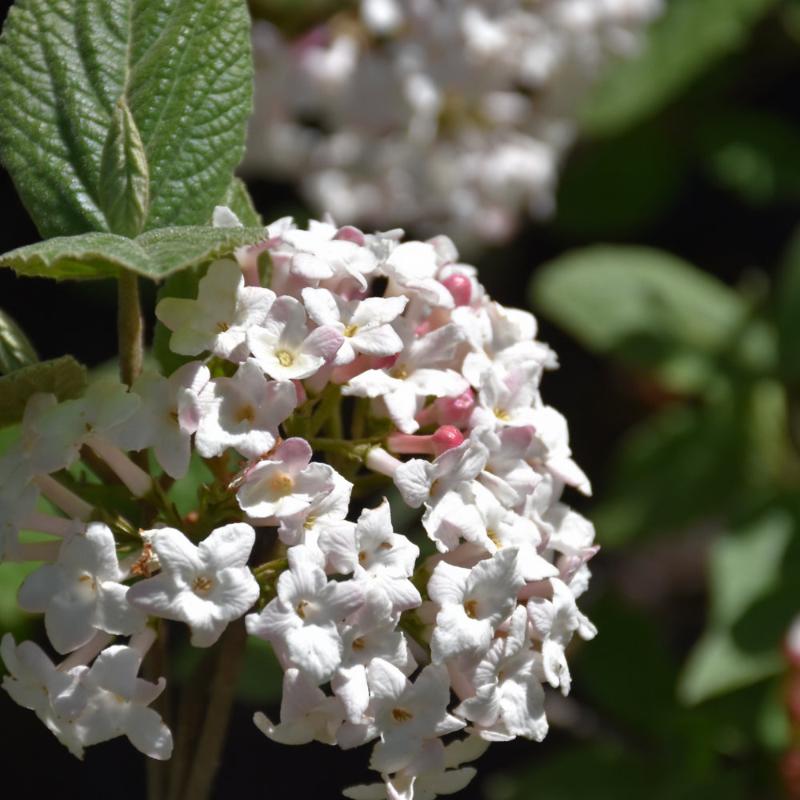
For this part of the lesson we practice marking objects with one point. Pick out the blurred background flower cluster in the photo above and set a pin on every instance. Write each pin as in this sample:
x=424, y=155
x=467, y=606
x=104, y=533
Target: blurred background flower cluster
x=648, y=217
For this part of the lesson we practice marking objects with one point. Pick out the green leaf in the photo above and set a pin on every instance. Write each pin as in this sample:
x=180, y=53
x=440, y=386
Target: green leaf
x=753, y=153
x=174, y=249
x=645, y=306
x=182, y=68
x=677, y=467
x=689, y=38
x=787, y=294
x=237, y=199
x=155, y=254
x=124, y=189
x=617, y=186
x=90, y=255
x=12, y=618
x=743, y=569
x=16, y=351
x=64, y=377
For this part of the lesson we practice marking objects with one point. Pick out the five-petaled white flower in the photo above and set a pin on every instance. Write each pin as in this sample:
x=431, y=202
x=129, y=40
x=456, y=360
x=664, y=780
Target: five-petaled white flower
x=82, y=592
x=205, y=586
x=219, y=318
x=284, y=347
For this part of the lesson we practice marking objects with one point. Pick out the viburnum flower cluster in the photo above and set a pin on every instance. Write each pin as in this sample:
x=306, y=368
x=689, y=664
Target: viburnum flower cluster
x=440, y=115
x=326, y=370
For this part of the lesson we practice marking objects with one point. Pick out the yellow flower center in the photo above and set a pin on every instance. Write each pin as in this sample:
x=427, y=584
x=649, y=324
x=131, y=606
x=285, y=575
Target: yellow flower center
x=401, y=715
x=281, y=483
x=285, y=358
x=202, y=585
x=350, y=330
x=471, y=607
x=245, y=414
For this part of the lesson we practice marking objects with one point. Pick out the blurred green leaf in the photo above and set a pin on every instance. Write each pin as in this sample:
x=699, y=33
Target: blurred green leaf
x=12, y=618
x=673, y=469
x=629, y=673
x=644, y=306
x=755, y=154
x=184, y=492
x=743, y=568
x=295, y=16
x=688, y=39
x=64, y=377
x=16, y=350
x=616, y=186
x=787, y=296
x=261, y=678
x=184, y=69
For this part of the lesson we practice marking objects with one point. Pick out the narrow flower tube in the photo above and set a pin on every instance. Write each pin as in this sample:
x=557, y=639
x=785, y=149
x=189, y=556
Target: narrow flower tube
x=72, y=505
x=83, y=655
x=135, y=478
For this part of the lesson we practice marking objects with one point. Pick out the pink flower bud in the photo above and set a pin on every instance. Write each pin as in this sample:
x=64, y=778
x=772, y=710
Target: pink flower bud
x=460, y=287
x=446, y=438
x=455, y=410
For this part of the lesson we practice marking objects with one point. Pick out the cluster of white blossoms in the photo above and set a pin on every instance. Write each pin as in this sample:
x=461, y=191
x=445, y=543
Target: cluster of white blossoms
x=329, y=367
x=441, y=115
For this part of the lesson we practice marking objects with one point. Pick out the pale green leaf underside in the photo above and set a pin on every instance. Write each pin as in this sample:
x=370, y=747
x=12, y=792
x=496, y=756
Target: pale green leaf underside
x=612, y=296
x=743, y=568
x=184, y=67
x=16, y=351
x=155, y=254
x=64, y=377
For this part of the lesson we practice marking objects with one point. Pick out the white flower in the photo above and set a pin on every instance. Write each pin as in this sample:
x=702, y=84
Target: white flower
x=118, y=704
x=377, y=555
x=370, y=633
x=307, y=713
x=422, y=369
x=322, y=519
x=445, y=487
x=33, y=682
x=408, y=715
x=551, y=448
x=324, y=253
x=286, y=483
x=82, y=592
x=411, y=268
x=168, y=416
x=473, y=603
x=206, y=587
x=554, y=621
x=507, y=399
x=363, y=324
x=509, y=700
x=429, y=784
x=220, y=316
x=283, y=346
x=243, y=412
x=302, y=621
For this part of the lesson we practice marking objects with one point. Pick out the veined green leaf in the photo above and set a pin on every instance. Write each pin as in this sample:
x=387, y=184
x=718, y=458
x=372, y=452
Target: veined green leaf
x=68, y=71
x=155, y=254
x=64, y=377
x=238, y=200
x=16, y=351
x=689, y=37
x=124, y=188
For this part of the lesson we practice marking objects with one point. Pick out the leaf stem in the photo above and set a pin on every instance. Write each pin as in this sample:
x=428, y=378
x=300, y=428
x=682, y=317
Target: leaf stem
x=130, y=327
